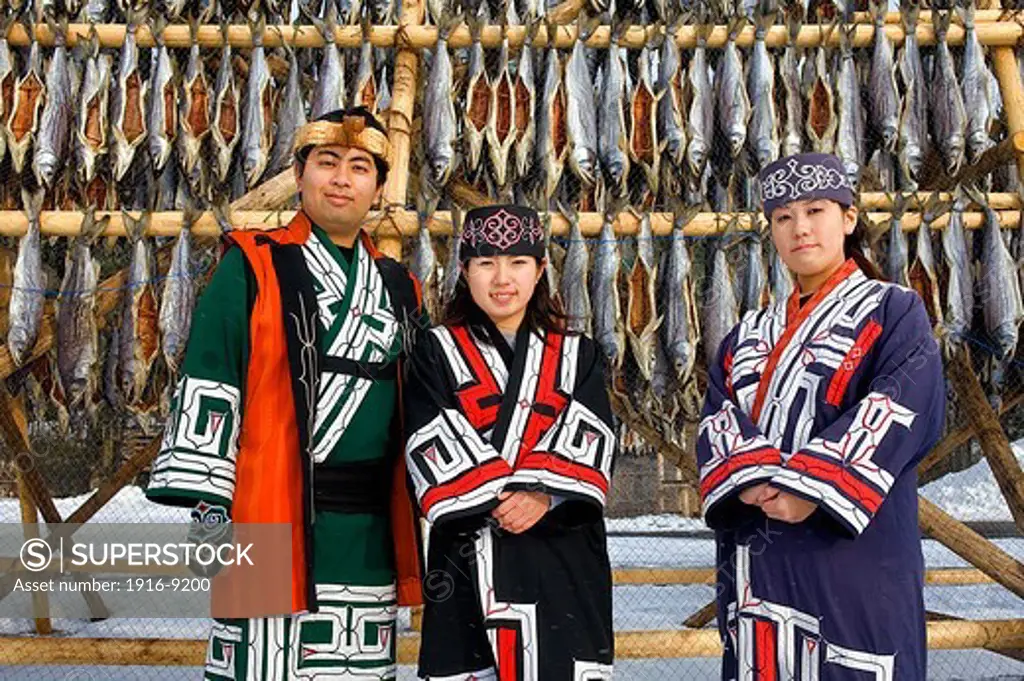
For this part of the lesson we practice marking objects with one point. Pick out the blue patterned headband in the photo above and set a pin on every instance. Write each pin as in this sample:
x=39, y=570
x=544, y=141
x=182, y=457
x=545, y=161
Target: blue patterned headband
x=804, y=176
x=501, y=230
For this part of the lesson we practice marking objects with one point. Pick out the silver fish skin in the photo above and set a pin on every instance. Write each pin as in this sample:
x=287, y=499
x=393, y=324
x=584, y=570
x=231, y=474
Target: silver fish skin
x=1000, y=288
x=922, y=273
x=7, y=80
x=575, y=269
x=960, y=286
x=56, y=122
x=424, y=266
x=720, y=310
x=382, y=11
x=671, y=130
x=478, y=88
x=883, y=94
x=91, y=122
x=780, y=282
x=500, y=142
x=549, y=159
x=453, y=266
x=850, y=130
x=224, y=130
x=291, y=115
x=793, y=103
x=77, y=333
x=643, y=98
x=612, y=141
x=976, y=81
x=732, y=101
x=25, y=308
x=700, y=121
x=526, y=104
x=755, y=280
x=913, y=138
x=604, y=295
x=643, y=339
x=124, y=107
x=581, y=113
x=897, y=252
x=178, y=298
x=763, y=136
x=439, y=126
x=679, y=328
x=21, y=133
x=194, y=116
x=949, y=116
x=822, y=120
x=95, y=12
x=329, y=93
x=364, y=90
x=257, y=115
x=133, y=360
x=162, y=122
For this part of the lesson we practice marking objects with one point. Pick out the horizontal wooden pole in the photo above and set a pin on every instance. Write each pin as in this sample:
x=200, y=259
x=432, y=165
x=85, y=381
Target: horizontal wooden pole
x=168, y=223
x=996, y=33
x=641, y=644
x=692, y=576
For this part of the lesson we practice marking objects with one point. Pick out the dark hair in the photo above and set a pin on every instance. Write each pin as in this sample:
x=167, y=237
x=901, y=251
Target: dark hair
x=853, y=247
x=337, y=116
x=544, y=311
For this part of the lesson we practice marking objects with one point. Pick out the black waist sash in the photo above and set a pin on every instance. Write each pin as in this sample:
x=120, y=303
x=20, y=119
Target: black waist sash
x=355, y=487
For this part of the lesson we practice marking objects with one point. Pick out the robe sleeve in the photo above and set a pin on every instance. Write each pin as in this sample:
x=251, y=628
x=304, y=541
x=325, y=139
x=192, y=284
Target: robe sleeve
x=573, y=459
x=732, y=453
x=196, y=462
x=849, y=467
x=455, y=473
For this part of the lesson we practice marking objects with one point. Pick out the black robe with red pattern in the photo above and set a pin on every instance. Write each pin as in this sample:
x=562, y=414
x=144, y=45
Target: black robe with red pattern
x=534, y=606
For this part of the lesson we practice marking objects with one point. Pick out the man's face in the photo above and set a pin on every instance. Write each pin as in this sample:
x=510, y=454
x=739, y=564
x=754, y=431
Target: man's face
x=338, y=186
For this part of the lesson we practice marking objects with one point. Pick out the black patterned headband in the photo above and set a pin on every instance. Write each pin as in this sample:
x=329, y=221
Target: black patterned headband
x=501, y=230
x=804, y=176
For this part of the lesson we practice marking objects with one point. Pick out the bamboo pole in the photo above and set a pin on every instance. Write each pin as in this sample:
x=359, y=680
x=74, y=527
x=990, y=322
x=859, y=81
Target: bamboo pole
x=994, y=33
x=971, y=546
x=1004, y=62
x=378, y=223
x=403, y=99
x=702, y=617
x=269, y=195
x=993, y=439
x=706, y=576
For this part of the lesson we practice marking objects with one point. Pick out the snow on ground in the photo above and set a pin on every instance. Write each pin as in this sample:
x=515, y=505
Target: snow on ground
x=969, y=495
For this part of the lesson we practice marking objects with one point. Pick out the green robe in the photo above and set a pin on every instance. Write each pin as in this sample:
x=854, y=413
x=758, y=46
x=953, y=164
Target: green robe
x=353, y=634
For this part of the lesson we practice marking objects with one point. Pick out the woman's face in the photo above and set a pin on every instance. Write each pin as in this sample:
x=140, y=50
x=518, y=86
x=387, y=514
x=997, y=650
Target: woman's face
x=809, y=235
x=502, y=286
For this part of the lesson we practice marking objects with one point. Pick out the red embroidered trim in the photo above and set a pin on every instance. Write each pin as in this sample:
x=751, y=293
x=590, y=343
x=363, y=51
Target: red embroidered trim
x=841, y=378
x=767, y=456
x=472, y=397
x=767, y=649
x=559, y=466
x=839, y=477
x=464, y=484
x=550, y=400
x=508, y=654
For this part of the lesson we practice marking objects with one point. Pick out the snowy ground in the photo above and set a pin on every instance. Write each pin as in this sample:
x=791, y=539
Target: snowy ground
x=971, y=495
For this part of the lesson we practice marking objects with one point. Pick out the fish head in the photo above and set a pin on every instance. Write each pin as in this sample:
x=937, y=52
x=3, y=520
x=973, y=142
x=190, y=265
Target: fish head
x=45, y=167
x=440, y=170
x=890, y=137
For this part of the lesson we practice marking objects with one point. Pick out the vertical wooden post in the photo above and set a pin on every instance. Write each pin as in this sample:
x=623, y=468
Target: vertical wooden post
x=1008, y=74
x=403, y=97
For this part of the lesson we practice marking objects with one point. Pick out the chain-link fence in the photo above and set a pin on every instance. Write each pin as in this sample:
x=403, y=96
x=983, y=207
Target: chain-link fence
x=666, y=139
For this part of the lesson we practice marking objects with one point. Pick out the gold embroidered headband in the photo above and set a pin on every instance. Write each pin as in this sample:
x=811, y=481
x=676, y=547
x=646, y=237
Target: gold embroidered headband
x=352, y=132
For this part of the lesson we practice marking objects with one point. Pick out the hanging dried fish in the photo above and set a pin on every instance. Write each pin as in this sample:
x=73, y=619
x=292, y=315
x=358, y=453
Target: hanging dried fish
x=91, y=141
x=476, y=109
x=821, y=115
x=257, y=113
x=959, y=264
x=780, y=280
x=224, y=133
x=949, y=117
x=604, y=295
x=128, y=107
x=424, y=267
x=897, y=252
x=96, y=12
x=575, y=297
x=642, y=321
x=501, y=128
x=291, y=115
x=453, y=266
x=671, y=130
x=644, y=148
x=792, y=125
x=77, y=333
x=922, y=273
x=439, y=112
x=913, y=143
x=883, y=95
x=612, y=139
x=139, y=336
x=525, y=105
x=364, y=92
x=754, y=281
x=162, y=121
x=25, y=311
x=8, y=77
x=679, y=329
x=720, y=311
x=552, y=137
x=850, y=128
x=999, y=287
x=581, y=111
x=977, y=82
x=763, y=137
x=194, y=114
x=329, y=93
x=700, y=121
x=55, y=123
x=179, y=296
x=733, y=114
x=23, y=120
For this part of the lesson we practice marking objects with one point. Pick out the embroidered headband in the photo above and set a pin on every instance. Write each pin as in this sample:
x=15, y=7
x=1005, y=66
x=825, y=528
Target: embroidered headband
x=804, y=176
x=352, y=132
x=501, y=230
